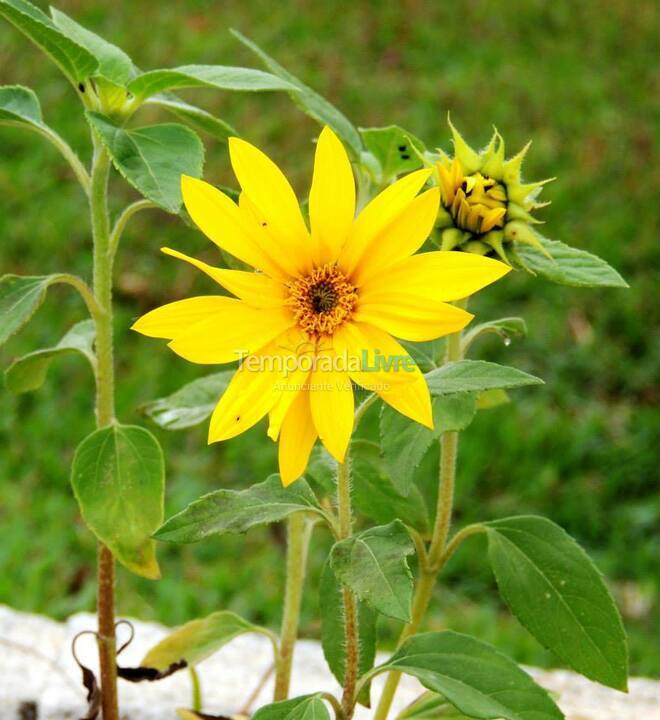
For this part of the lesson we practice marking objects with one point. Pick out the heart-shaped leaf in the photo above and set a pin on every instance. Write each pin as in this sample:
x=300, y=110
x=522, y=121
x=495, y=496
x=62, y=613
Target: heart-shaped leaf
x=75, y=61
x=305, y=707
x=471, y=375
x=310, y=101
x=189, y=405
x=220, y=77
x=118, y=478
x=373, y=564
x=557, y=593
x=567, y=265
x=235, y=511
x=332, y=631
x=29, y=372
x=153, y=158
x=197, y=640
x=473, y=676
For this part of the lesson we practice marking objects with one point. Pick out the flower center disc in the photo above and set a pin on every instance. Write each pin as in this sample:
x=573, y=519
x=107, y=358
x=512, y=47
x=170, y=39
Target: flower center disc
x=477, y=203
x=322, y=301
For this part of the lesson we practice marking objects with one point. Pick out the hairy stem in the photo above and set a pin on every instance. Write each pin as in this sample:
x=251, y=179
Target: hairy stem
x=121, y=222
x=436, y=555
x=105, y=413
x=351, y=641
x=298, y=535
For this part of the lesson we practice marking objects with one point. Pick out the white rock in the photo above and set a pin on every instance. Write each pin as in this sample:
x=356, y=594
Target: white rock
x=36, y=665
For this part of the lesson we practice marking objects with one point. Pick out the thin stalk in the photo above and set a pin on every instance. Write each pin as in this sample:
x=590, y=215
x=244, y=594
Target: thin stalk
x=196, y=688
x=436, y=555
x=351, y=641
x=298, y=535
x=105, y=414
x=121, y=222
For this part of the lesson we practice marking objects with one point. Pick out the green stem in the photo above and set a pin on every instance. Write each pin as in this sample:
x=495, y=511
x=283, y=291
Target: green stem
x=437, y=552
x=196, y=689
x=298, y=535
x=351, y=640
x=122, y=221
x=84, y=291
x=105, y=415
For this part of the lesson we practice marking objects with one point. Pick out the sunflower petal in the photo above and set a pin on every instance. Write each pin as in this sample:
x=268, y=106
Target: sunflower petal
x=231, y=334
x=256, y=289
x=297, y=439
x=332, y=404
x=381, y=360
x=267, y=187
x=175, y=318
x=332, y=197
x=405, y=391
x=402, y=237
x=247, y=399
x=408, y=318
x=412, y=400
x=433, y=276
x=220, y=219
x=377, y=215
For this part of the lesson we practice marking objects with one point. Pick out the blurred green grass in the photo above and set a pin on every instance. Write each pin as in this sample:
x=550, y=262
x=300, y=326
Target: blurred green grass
x=578, y=78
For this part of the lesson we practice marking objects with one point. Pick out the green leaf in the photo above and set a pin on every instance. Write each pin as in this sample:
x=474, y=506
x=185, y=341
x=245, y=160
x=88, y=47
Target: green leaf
x=75, y=61
x=376, y=496
x=332, y=631
x=29, y=372
x=195, y=117
x=373, y=565
x=557, y=593
x=20, y=297
x=118, y=478
x=235, y=511
x=152, y=159
x=220, y=77
x=19, y=104
x=189, y=405
x=310, y=101
x=395, y=149
x=474, y=677
x=305, y=707
x=507, y=328
x=567, y=265
x=431, y=706
x=471, y=375
x=197, y=640
x=405, y=442
x=113, y=63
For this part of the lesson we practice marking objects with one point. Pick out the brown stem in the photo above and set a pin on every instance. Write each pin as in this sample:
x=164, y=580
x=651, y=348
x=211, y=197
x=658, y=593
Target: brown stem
x=106, y=638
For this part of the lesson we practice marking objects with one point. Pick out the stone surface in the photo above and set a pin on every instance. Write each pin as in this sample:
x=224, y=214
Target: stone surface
x=36, y=666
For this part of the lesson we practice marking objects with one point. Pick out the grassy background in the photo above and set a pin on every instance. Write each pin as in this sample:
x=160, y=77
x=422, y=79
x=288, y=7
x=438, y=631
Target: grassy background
x=575, y=77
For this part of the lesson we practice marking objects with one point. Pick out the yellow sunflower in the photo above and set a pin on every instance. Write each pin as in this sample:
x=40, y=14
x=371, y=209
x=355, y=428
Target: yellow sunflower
x=323, y=306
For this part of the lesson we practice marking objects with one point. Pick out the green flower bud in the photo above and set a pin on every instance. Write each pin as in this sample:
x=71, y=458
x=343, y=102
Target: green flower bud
x=485, y=205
